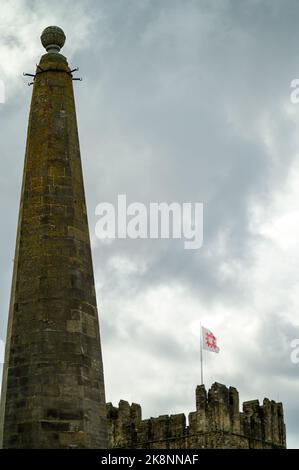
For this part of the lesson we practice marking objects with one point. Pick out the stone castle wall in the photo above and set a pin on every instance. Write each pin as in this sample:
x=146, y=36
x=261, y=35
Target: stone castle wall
x=216, y=423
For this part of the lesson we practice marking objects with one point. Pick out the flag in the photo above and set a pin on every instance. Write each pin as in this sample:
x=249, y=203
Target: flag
x=209, y=341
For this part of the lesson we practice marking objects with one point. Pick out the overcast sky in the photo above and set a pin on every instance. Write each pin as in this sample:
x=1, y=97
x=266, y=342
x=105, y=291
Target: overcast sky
x=181, y=100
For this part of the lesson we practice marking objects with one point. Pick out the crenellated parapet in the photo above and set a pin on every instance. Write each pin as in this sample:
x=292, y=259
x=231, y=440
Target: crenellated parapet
x=216, y=423
x=264, y=422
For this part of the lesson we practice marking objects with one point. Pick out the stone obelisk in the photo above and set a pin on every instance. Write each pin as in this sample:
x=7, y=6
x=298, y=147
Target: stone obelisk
x=53, y=386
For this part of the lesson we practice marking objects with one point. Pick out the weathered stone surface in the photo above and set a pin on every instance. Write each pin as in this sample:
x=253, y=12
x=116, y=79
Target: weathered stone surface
x=216, y=423
x=53, y=386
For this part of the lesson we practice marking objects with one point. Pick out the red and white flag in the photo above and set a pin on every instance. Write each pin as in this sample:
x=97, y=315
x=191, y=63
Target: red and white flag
x=209, y=341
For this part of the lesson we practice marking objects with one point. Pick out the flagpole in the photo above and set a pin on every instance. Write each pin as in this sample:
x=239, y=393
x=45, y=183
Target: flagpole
x=201, y=366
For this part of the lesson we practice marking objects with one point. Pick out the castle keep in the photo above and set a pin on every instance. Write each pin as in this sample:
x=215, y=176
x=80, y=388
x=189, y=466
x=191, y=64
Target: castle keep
x=216, y=423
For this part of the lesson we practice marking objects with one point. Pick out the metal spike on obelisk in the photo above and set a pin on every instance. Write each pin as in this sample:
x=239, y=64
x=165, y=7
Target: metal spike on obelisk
x=53, y=39
x=53, y=385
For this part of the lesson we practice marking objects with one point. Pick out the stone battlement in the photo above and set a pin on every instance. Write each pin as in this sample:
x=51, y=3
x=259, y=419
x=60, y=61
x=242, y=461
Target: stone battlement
x=216, y=423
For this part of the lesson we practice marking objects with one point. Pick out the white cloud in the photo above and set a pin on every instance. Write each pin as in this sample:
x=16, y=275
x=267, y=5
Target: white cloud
x=2, y=350
x=20, y=31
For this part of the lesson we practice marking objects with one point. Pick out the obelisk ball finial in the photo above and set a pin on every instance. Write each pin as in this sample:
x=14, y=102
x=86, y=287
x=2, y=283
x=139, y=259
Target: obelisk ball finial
x=53, y=39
